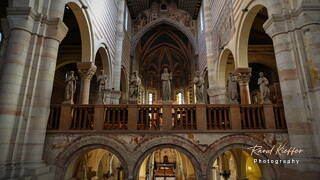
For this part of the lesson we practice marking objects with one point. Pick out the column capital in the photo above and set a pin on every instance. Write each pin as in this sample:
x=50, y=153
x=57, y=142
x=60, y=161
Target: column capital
x=56, y=29
x=86, y=69
x=307, y=14
x=243, y=75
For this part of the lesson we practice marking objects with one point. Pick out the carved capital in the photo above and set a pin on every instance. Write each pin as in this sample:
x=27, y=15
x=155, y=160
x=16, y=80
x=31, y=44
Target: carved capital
x=243, y=76
x=86, y=70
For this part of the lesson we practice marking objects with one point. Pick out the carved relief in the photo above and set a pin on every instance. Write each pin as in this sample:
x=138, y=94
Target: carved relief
x=164, y=10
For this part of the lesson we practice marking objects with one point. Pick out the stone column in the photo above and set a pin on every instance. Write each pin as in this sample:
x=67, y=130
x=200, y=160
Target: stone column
x=86, y=70
x=293, y=77
x=11, y=78
x=26, y=81
x=211, y=49
x=243, y=77
x=119, y=49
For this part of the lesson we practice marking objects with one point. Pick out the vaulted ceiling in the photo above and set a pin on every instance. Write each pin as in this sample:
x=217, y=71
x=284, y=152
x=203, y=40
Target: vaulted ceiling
x=164, y=46
x=191, y=6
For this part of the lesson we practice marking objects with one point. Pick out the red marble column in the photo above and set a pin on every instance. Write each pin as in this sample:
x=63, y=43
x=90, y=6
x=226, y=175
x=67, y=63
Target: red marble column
x=86, y=71
x=243, y=77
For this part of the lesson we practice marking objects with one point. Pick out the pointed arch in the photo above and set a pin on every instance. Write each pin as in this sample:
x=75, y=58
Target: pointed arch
x=168, y=21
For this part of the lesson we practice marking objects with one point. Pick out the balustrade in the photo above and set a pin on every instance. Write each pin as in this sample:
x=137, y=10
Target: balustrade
x=150, y=117
x=165, y=117
x=218, y=117
x=252, y=117
x=184, y=117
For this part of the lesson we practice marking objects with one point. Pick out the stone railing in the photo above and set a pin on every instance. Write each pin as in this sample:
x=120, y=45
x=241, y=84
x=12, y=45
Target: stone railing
x=166, y=117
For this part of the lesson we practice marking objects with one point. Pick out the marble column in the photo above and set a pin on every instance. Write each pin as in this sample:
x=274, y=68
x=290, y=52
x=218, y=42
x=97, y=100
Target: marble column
x=243, y=77
x=86, y=71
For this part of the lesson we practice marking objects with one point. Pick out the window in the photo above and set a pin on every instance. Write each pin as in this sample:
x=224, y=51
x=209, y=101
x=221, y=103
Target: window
x=202, y=19
x=150, y=98
x=180, y=98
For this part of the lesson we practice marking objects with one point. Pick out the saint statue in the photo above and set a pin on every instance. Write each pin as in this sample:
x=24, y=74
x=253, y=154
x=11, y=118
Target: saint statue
x=70, y=90
x=199, y=83
x=102, y=81
x=264, y=89
x=232, y=89
x=134, y=85
x=166, y=79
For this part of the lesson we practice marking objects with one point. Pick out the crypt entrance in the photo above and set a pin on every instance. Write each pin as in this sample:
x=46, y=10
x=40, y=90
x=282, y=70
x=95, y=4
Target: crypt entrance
x=165, y=46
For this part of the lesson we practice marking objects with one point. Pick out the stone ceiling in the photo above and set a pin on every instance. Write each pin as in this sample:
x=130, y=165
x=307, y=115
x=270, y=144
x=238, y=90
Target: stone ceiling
x=191, y=6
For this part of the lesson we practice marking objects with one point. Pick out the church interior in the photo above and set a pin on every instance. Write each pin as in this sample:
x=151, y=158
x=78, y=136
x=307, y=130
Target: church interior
x=160, y=89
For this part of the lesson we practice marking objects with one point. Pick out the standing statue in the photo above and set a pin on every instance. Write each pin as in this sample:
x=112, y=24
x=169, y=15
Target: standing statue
x=232, y=89
x=102, y=81
x=199, y=83
x=166, y=79
x=134, y=85
x=70, y=90
x=264, y=89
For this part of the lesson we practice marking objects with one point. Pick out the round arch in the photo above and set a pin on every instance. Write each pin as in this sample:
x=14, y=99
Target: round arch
x=85, y=144
x=222, y=67
x=193, y=160
x=157, y=22
x=84, y=24
x=246, y=22
x=184, y=146
x=237, y=142
x=105, y=59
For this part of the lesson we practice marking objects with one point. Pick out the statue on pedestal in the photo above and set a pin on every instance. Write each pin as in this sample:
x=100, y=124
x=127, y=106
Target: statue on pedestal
x=71, y=81
x=232, y=89
x=134, y=85
x=166, y=79
x=264, y=89
x=199, y=83
x=102, y=80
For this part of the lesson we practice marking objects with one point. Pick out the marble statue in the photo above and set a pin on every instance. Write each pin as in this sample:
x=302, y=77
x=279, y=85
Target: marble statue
x=199, y=83
x=71, y=81
x=134, y=85
x=264, y=89
x=102, y=80
x=232, y=89
x=166, y=79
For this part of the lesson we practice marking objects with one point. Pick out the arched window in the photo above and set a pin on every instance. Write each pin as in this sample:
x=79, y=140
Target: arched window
x=150, y=98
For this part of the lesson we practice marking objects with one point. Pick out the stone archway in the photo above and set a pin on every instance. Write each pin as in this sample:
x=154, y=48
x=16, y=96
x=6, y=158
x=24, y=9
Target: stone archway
x=243, y=32
x=238, y=142
x=85, y=144
x=85, y=31
x=226, y=64
x=184, y=146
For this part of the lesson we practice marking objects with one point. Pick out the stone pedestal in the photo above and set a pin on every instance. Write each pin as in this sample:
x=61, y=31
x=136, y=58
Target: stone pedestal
x=217, y=95
x=243, y=77
x=86, y=70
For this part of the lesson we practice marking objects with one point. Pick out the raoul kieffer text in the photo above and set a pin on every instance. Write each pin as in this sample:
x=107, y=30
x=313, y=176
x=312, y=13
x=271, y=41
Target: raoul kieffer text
x=282, y=149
